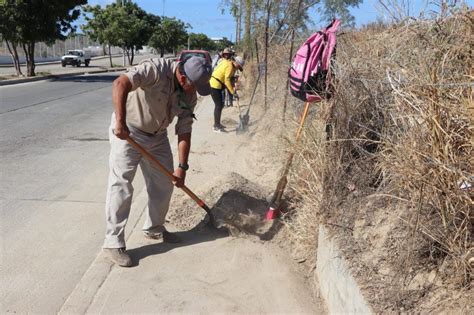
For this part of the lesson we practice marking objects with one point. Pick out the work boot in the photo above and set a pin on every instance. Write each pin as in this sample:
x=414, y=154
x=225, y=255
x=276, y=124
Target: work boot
x=118, y=256
x=166, y=236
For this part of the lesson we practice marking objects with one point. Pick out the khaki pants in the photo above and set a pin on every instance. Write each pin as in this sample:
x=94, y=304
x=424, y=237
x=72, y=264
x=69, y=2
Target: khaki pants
x=123, y=163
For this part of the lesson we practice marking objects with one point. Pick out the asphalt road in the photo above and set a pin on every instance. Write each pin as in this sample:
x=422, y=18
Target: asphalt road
x=56, y=68
x=54, y=152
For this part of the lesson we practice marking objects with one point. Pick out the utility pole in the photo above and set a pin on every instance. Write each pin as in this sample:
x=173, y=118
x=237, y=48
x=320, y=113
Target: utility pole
x=164, y=1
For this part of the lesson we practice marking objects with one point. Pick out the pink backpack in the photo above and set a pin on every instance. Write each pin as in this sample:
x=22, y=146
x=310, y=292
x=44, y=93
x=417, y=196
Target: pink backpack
x=310, y=70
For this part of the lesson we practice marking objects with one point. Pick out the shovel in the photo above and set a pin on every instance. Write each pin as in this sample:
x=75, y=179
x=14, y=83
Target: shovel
x=165, y=171
x=244, y=120
x=241, y=126
x=274, y=209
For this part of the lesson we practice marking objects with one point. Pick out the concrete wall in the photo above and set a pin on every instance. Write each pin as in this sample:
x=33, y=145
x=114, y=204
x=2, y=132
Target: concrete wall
x=337, y=286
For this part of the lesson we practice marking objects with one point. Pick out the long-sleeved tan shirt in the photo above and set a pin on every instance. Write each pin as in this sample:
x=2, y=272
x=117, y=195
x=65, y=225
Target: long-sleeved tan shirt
x=154, y=100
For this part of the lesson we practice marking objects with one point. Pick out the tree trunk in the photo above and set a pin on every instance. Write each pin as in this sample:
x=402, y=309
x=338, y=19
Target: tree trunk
x=162, y=52
x=236, y=30
x=16, y=60
x=29, y=49
x=293, y=26
x=247, y=34
x=128, y=56
x=238, y=22
x=288, y=79
x=268, y=8
x=110, y=57
x=133, y=56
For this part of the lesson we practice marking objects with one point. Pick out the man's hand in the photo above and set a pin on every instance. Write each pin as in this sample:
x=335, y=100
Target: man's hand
x=121, y=130
x=179, y=175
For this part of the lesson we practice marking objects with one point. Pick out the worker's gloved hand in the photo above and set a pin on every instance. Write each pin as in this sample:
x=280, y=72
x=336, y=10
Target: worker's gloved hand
x=121, y=130
x=179, y=177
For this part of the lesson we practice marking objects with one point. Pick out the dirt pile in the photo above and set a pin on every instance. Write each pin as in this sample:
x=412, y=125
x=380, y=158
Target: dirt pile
x=238, y=205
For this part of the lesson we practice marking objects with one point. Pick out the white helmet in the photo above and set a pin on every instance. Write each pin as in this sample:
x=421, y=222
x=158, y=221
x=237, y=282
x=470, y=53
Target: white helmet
x=240, y=61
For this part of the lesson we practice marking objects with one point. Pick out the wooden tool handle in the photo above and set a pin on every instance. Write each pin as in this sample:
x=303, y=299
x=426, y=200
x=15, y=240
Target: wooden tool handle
x=303, y=118
x=150, y=157
x=170, y=175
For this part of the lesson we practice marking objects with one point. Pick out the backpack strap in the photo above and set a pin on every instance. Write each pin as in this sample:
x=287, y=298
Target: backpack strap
x=223, y=85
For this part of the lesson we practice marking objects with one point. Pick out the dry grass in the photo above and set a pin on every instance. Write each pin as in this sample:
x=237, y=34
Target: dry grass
x=393, y=150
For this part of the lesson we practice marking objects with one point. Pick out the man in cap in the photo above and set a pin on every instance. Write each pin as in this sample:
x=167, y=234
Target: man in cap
x=146, y=99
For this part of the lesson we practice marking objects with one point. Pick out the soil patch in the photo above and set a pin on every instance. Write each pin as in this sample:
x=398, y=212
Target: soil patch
x=238, y=205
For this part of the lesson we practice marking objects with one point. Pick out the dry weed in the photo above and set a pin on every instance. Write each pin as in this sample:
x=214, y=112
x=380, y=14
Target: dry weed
x=398, y=133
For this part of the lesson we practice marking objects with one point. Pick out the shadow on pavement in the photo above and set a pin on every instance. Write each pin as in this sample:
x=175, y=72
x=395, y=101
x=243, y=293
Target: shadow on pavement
x=244, y=215
x=238, y=212
x=199, y=234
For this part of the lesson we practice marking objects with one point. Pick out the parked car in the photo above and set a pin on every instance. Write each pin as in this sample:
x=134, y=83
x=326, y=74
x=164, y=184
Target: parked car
x=76, y=57
x=200, y=53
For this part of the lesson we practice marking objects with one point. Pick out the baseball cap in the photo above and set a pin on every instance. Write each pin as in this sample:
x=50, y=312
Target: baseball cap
x=199, y=72
x=240, y=61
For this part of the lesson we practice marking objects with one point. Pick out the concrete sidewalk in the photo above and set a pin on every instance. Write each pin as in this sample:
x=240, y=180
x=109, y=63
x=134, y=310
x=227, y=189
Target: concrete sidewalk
x=209, y=272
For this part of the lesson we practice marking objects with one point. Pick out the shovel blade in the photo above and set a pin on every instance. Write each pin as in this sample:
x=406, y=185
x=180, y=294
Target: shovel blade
x=243, y=124
x=245, y=120
x=272, y=213
x=241, y=129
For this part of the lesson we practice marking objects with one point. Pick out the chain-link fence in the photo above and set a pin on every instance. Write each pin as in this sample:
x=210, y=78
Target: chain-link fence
x=44, y=52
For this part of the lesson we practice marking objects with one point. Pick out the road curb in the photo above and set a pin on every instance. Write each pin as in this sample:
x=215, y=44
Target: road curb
x=337, y=286
x=85, y=291
x=59, y=75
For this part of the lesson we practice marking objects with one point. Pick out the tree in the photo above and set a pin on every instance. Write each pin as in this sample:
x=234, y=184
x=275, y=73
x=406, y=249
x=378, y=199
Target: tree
x=339, y=9
x=285, y=16
x=201, y=41
x=9, y=33
x=122, y=24
x=97, y=27
x=35, y=21
x=134, y=26
x=248, y=27
x=223, y=43
x=235, y=8
x=168, y=35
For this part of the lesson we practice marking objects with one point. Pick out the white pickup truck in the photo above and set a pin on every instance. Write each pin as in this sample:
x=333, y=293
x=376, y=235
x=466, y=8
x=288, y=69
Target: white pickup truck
x=76, y=58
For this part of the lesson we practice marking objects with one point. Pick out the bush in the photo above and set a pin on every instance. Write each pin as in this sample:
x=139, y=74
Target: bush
x=396, y=138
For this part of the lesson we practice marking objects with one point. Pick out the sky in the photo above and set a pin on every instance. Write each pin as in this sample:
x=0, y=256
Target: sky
x=207, y=16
